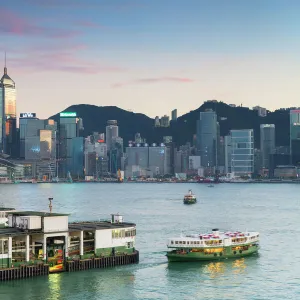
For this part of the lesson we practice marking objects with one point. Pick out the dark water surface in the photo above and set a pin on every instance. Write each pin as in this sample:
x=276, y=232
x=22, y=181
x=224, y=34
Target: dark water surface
x=158, y=211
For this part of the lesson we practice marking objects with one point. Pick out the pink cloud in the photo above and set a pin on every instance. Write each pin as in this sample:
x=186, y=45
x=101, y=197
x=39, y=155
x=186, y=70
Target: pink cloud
x=13, y=24
x=154, y=80
x=64, y=61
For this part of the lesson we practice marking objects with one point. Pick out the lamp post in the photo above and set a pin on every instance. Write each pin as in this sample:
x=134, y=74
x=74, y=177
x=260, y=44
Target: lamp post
x=50, y=204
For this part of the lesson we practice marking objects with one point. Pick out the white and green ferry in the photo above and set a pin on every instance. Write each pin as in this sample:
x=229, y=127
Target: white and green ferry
x=212, y=246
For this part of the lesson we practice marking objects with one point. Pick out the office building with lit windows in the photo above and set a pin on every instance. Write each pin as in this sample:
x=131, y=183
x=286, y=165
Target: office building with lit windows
x=37, y=146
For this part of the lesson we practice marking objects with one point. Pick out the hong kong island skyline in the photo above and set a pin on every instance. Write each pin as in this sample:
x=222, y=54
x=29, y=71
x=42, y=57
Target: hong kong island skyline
x=151, y=56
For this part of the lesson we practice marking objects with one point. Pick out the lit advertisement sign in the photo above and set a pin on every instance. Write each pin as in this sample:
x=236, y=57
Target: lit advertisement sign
x=27, y=115
x=295, y=111
x=68, y=114
x=100, y=141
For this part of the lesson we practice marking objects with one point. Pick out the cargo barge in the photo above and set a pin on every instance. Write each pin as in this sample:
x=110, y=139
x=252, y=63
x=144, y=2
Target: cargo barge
x=34, y=243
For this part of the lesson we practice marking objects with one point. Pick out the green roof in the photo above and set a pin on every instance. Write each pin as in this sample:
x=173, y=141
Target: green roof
x=6, y=208
x=37, y=213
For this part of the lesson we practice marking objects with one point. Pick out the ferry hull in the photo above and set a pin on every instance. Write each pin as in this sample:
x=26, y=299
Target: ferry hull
x=193, y=201
x=228, y=252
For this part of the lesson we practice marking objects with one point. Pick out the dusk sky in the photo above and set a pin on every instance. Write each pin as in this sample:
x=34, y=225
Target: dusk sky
x=151, y=56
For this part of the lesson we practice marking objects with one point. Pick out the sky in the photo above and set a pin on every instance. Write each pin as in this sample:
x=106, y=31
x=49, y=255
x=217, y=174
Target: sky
x=151, y=56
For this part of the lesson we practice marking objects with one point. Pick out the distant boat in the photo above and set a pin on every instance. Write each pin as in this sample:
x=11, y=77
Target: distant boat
x=190, y=198
x=211, y=185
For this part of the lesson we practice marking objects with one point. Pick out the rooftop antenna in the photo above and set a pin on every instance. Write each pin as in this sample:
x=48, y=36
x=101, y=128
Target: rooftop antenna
x=50, y=204
x=5, y=69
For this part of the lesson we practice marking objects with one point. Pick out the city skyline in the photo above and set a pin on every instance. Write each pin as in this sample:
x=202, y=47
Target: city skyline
x=150, y=57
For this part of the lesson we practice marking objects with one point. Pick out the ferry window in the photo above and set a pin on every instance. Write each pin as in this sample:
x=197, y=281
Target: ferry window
x=188, y=243
x=176, y=242
x=180, y=242
x=183, y=242
x=172, y=242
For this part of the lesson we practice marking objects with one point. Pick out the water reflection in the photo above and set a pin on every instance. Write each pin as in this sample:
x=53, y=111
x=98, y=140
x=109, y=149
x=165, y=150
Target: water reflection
x=212, y=269
x=55, y=285
x=215, y=269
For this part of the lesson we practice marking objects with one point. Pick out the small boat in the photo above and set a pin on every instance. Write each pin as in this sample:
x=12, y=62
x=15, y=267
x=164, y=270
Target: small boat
x=210, y=185
x=215, y=245
x=190, y=198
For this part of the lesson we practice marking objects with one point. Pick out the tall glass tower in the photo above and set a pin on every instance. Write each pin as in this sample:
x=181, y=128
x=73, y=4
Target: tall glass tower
x=207, y=135
x=8, y=114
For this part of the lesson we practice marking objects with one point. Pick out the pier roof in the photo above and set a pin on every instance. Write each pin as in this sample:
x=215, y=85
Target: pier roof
x=6, y=208
x=13, y=231
x=97, y=225
x=37, y=213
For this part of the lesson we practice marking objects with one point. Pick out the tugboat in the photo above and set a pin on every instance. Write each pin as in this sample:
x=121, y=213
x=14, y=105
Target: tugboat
x=213, y=246
x=190, y=198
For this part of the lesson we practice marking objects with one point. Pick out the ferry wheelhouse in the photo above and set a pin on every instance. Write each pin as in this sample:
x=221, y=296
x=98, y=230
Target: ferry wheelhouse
x=212, y=246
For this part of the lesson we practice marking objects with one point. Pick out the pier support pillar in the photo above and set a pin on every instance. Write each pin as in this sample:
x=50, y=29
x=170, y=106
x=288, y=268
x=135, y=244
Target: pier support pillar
x=81, y=243
x=45, y=248
x=95, y=242
x=9, y=251
x=27, y=248
x=67, y=246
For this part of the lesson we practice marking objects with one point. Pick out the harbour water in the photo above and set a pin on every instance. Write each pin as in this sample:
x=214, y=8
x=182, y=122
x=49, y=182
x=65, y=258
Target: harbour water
x=159, y=213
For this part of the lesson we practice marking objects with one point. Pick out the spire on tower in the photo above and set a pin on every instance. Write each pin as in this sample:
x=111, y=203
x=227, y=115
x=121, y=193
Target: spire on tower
x=5, y=69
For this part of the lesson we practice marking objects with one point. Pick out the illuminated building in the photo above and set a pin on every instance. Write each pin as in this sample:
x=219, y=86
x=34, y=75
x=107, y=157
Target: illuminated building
x=8, y=132
x=38, y=146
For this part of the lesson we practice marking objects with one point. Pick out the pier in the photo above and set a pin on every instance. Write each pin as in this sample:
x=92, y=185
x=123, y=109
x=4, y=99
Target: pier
x=27, y=271
x=34, y=243
x=103, y=262
x=24, y=272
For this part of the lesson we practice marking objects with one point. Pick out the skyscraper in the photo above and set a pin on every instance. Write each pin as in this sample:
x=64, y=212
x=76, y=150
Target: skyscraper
x=207, y=132
x=267, y=143
x=8, y=132
x=242, y=152
x=112, y=131
x=295, y=136
x=70, y=127
x=174, y=115
x=227, y=145
x=165, y=121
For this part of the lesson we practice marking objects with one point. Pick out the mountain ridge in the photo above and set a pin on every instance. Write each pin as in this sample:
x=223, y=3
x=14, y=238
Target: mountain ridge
x=95, y=119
